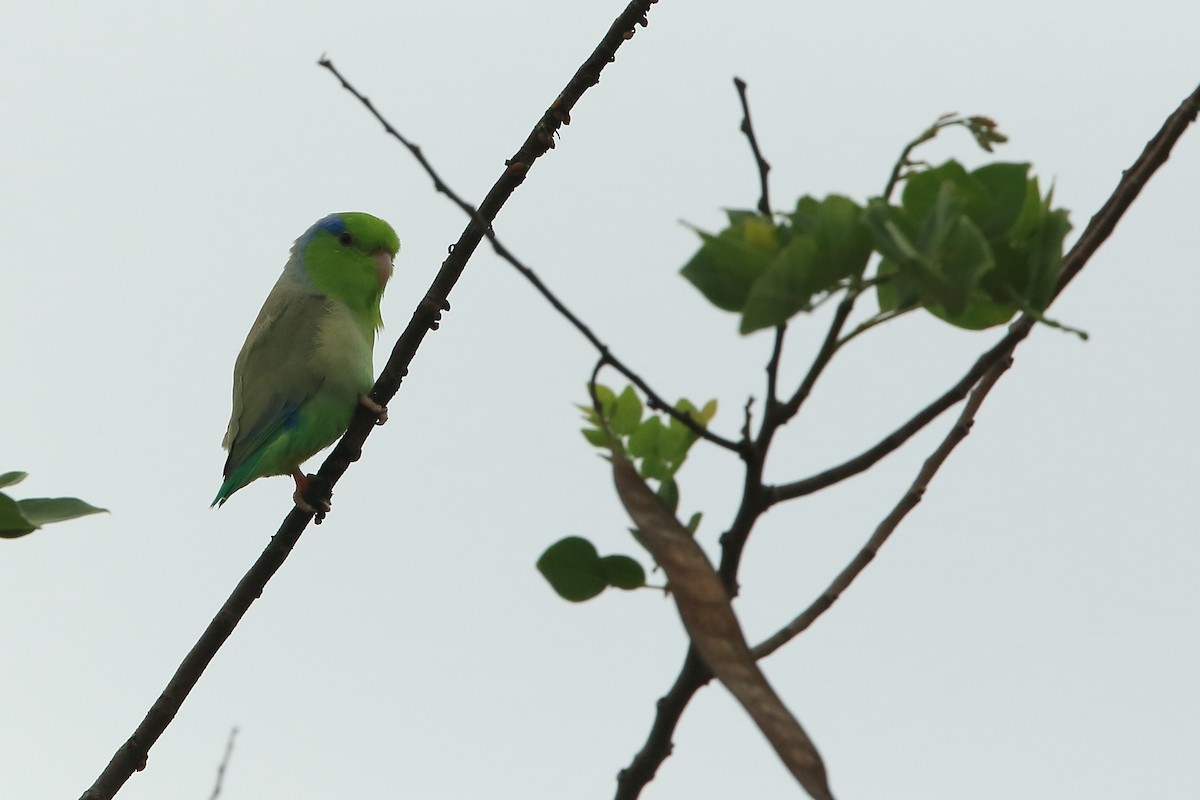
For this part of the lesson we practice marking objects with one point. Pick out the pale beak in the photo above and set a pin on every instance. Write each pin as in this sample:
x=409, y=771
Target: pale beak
x=383, y=266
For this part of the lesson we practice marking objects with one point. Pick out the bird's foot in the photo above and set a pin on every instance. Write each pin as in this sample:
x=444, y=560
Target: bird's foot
x=313, y=495
x=379, y=411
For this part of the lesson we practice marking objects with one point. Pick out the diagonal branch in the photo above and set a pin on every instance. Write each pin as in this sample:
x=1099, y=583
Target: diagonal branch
x=654, y=400
x=132, y=754
x=885, y=528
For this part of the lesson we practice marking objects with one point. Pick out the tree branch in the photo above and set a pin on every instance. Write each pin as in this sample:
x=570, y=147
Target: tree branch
x=216, y=792
x=654, y=400
x=132, y=755
x=885, y=528
x=764, y=200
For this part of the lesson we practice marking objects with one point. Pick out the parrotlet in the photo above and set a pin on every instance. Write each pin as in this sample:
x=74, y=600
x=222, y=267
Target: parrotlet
x=306, y=363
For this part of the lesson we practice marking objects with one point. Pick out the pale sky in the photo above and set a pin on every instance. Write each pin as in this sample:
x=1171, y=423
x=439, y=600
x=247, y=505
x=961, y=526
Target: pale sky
x=1031, y=629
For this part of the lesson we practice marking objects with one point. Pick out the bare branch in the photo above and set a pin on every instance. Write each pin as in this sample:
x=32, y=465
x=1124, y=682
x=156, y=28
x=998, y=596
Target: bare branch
x=132, y=755
x=773, y=368
x=216, y=792
x=907, y=503
x=764, y=200
x=653, y=399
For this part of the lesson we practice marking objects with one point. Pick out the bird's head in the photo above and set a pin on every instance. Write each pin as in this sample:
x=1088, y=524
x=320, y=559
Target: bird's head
x=348, y=256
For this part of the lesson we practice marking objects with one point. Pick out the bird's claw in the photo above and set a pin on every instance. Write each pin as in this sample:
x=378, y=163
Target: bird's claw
x=313, y=495
x=380, y=412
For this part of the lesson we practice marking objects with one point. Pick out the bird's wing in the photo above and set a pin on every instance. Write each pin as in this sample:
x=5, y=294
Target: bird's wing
x=273, y=376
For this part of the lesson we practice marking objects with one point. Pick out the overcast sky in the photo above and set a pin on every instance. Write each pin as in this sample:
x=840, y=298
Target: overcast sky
x=1030, y=631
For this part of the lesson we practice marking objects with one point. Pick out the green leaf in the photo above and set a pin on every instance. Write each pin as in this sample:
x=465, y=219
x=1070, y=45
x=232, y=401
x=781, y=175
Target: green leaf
x=843, y=240
x=1004, y=186
x=726, y=265
x=694, y=523
x=627, y=413
x=892, y=231
x=923, y=190
x=573, y=569
x=806, y=216
x=607, y=399
x=44, y=510
x=980, y=312
x=785, y=288
x=12, y=521
x=643, y=442
x=675, y=441
x=668, y=493
x=965, y=256
x=623, y=572
x=12, y=478
x=1045, y=258
x=828, y=242
x=653, y=466
x=595, y=436
x=896, y=290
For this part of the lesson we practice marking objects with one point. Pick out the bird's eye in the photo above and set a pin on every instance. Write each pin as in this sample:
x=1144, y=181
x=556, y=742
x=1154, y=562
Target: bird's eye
x=345, y=238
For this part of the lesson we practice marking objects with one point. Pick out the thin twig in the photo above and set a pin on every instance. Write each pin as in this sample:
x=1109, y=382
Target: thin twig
x=773, y=368
x=438, y=184
x=216, y=792
x=654, y=400
x=885, y=528
x=132, y=755
x=828, y=348
x=764, y=200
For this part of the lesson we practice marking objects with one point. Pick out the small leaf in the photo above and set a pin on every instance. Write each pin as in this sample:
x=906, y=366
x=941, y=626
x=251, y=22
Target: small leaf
x=573, y=569
x=643, y=442
x=627, y=413
x=694, y=523
x=623, y=572
x=668, y=493
x=654, y=467
x=595, y=437
x=44, y=510
x=12, y=478
x=607, y=399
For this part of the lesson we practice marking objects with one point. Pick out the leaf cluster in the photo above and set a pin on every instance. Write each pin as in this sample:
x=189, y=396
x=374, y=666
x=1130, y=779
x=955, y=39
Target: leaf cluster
x=769, y=270
x=973, y=248
x=657, y=444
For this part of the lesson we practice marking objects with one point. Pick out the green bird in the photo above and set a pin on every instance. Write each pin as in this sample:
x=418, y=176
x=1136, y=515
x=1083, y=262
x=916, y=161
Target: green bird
x=306, y=363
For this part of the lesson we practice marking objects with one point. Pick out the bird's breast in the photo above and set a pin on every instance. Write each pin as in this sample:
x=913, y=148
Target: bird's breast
x=342, y=351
